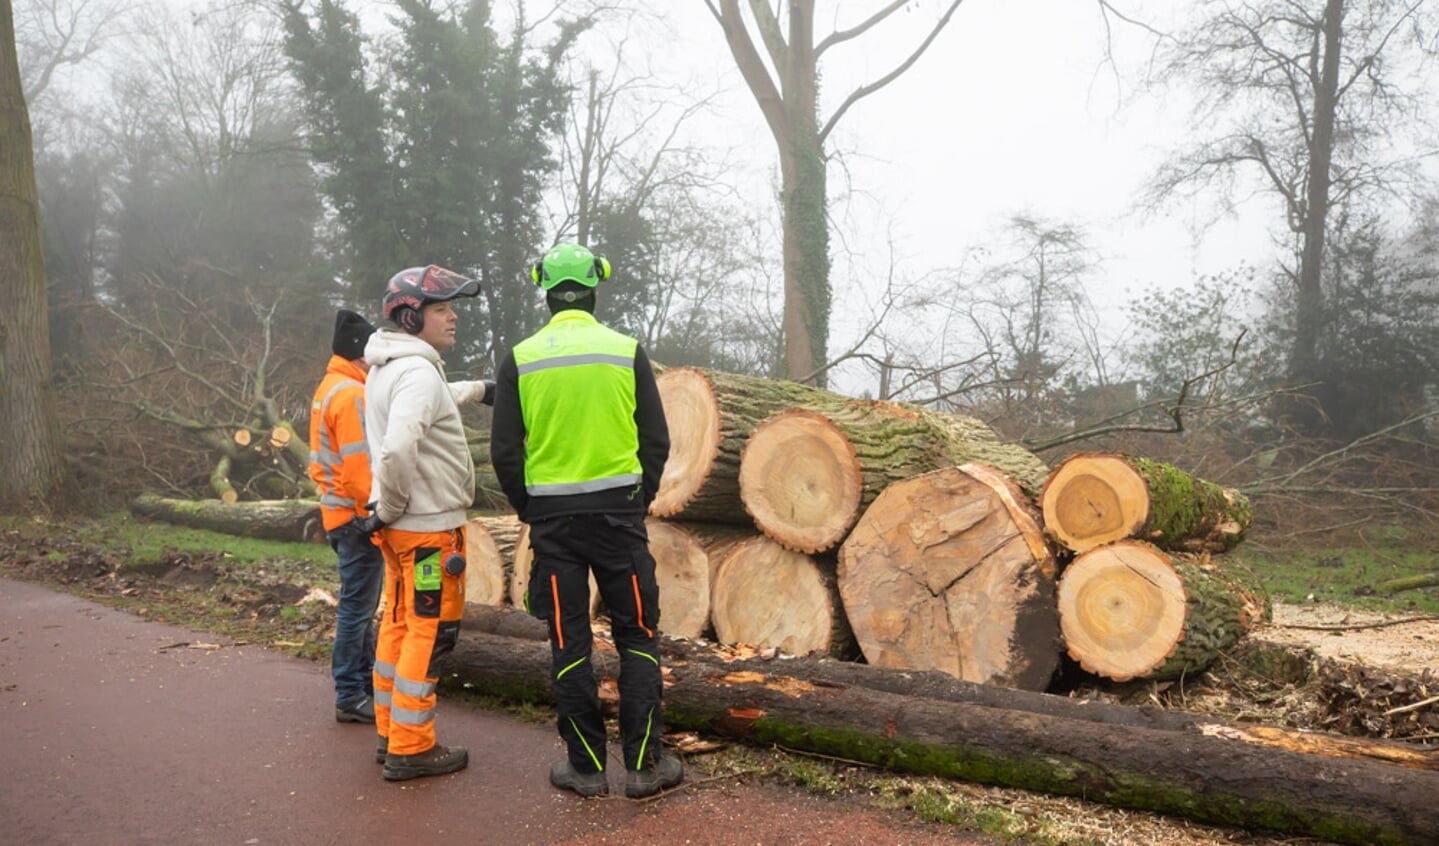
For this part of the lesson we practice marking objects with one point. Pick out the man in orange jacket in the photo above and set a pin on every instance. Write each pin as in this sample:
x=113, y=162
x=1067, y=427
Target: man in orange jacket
x=340, y=466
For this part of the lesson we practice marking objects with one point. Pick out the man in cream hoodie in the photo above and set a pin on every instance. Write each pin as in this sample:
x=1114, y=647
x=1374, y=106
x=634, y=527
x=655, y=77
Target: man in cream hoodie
x=423, y=480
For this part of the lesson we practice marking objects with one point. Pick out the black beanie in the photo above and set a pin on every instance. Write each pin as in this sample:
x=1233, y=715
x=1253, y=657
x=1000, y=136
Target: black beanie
x=351, y=333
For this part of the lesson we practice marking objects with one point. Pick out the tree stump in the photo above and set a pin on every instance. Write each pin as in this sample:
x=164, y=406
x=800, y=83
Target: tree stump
x=950, y=571
x=1130, y=611
x=710, y=415
x=768, y=596
x=807, y=473
x=1091, y=499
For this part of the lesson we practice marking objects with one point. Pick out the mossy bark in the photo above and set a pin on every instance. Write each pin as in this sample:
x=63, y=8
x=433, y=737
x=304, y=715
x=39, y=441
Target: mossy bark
x=1208, y=777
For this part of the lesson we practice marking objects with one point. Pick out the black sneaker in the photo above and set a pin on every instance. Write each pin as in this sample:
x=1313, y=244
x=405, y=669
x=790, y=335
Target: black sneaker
x=437, y=760
x=564, y=776
x=667, y=773
x=362, y=711
x=382, y=750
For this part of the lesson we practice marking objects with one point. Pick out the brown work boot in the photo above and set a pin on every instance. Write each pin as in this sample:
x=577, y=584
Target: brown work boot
x=437, y=760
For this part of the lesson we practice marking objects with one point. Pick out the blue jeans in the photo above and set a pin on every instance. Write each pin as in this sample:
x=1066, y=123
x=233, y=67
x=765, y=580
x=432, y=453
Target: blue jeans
x=362, y=574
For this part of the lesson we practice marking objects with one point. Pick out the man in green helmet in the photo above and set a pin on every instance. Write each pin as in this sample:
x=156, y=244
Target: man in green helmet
x=579, y=442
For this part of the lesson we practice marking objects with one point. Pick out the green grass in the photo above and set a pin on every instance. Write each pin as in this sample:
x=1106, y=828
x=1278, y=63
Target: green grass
x=1347, y=576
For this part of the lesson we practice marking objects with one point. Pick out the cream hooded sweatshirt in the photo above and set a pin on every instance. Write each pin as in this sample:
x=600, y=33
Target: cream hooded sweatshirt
x=423, y=477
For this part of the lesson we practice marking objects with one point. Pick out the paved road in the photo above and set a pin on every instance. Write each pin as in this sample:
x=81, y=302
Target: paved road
x=110, y=734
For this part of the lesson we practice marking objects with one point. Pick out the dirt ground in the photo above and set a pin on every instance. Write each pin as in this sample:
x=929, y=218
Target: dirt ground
x=1358, y=666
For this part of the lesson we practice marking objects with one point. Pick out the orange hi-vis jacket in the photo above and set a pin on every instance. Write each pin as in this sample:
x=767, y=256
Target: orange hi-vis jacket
x=339, y=456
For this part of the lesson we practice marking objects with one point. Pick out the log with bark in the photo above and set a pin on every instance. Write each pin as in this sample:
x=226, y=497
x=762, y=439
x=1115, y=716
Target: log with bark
x=1129, y=610
x=1203, y=771
x=1091, y=499
x=280, y=519
x=806, y=474
x=768, y=596
x=710, y=414
x=949, y=570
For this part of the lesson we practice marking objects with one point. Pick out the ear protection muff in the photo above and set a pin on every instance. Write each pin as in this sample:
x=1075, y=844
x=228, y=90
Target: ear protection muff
x=411, y=320
x=537, y=272
x=602, y=268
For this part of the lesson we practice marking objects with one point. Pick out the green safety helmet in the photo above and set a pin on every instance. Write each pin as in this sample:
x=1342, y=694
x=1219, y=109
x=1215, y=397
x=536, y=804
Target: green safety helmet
x=570, y=263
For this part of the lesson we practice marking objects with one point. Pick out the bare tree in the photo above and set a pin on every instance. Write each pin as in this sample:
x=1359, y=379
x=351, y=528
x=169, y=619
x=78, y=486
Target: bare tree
x=53, y=34
x=34, y=475
x=787, y=91
x=1302, y=96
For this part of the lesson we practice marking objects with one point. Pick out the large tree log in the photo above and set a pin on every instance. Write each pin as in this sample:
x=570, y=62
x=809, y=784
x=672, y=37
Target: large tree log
x=949, y=570
x=1093, y=498
x=710, y=415
x=806, y=474
x=1199, y=772
x=682, y=570
x=769, y=596
x=280, y=519
x=1128, y=610
x=486, y=570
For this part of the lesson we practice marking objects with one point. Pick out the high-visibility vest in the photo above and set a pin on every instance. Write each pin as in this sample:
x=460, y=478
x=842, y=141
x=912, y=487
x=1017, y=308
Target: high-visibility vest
x=339, y=455
x=577, y=396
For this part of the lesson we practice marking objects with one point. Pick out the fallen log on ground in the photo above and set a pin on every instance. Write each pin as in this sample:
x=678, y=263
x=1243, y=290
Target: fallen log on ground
x=1129, y=610
x=933, y=684
x=1212, y=777
x=949, y=570
x=1091, y=499
x=272, y=519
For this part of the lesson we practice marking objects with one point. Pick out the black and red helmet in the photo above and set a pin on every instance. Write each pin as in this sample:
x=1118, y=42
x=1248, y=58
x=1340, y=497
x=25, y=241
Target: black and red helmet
x=413, y=288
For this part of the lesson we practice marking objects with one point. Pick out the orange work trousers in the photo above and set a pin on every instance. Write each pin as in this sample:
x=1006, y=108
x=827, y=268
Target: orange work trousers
x=423, y=605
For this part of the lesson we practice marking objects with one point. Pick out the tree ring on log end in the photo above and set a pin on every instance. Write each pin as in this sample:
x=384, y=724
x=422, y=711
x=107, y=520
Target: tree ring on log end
x=1122, y=609
x=769, y=596
x=1092, y=500
x=799, y=480
x=693, y=417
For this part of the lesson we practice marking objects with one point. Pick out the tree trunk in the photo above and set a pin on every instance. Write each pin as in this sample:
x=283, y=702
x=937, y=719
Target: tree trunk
x=767, y=596
x=806, y=474
x=278, y=519
x=1128, y=610
x=710, y=416
x=950, y=571
x=31, y=446
x=1203, y=773
x=1094, y=498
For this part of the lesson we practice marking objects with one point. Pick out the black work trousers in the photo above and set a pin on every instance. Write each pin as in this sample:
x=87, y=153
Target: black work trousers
x=616, y=550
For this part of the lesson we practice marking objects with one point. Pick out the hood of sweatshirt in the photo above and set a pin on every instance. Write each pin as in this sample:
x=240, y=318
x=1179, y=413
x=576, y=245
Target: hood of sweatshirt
x=386, y=345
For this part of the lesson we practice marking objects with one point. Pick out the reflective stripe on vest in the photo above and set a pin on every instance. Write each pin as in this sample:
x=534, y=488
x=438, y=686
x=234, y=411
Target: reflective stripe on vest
x=577, y=395
x=329, y=459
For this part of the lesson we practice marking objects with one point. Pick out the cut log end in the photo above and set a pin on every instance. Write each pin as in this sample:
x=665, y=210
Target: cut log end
x=1122, y=610
x=693, y=416
x=484, y=566
x=682, y=570
x=769, y=596
x=1092, y=500
x=800, y=480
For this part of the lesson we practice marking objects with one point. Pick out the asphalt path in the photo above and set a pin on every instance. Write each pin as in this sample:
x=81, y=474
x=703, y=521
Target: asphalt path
x=115, y=730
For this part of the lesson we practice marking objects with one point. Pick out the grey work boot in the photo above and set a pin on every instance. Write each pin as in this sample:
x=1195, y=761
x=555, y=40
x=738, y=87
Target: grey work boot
x=382, y=750
x=363, y=711
x=564, y=776
x=437, y=760
x=665, y=774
